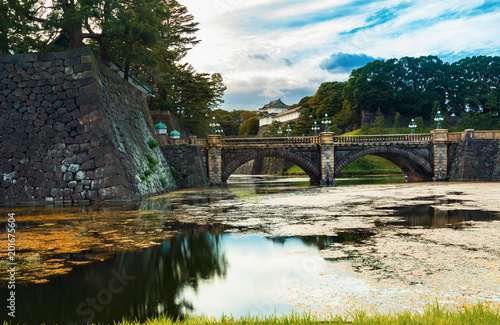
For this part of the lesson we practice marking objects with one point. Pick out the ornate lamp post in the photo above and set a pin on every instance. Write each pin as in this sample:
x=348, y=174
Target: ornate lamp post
x=326, y=121
x=288, y=130
x=280, y=131
x=214, y=125
x=315, y=128
x=218, y=129
x=412, y=125
x=438, y=118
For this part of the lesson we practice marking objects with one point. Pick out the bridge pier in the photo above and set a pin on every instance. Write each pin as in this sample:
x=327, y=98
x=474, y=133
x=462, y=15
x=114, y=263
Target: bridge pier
x=327, y=157
x=215, y=159
x=440, y=154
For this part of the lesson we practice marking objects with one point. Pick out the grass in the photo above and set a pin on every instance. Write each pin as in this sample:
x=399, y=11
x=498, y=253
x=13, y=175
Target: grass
x=371, y=165
x=294, y=170
x=433, y=314
x=367, y=165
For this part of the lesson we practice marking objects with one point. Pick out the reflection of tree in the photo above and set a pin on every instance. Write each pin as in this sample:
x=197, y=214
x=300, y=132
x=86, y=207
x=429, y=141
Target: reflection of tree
x=160, y=273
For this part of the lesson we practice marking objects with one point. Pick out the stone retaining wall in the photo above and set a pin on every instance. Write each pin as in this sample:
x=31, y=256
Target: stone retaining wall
x=190, y=164
x=475, y=159
x=71, y=130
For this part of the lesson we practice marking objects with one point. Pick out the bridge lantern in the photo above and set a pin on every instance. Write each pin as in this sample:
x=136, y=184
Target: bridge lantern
x=412, y=125
x=315, y=128
x=288, y=130
x=438, y=118
x=280, y=131
x=161, y=128
x=326, y=121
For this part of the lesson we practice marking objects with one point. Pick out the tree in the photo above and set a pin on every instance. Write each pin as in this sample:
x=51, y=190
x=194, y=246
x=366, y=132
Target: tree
x=226, y=121
x=397, y=123
x=272, y=129
x=304, y=122
x=250, y=127
x=190, y=96
x=347, y=117
x=379, y=122
x=419, y=121
x=330, y=98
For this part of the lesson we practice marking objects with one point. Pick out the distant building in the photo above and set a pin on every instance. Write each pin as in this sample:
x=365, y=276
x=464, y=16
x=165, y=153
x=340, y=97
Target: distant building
x=276, y=110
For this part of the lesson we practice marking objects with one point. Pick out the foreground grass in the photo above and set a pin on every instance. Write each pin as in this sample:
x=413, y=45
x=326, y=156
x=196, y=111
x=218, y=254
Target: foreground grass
x=433, y=314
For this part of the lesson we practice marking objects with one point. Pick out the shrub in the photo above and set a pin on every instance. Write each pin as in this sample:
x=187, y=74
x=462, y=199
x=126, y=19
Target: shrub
x=153, y=143
x=151, y=160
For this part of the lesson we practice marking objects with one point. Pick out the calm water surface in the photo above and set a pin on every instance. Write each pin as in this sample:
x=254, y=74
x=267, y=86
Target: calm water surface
x=137, y=263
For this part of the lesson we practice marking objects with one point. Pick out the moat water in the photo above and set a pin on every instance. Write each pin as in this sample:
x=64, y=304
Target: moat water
x=226, y=251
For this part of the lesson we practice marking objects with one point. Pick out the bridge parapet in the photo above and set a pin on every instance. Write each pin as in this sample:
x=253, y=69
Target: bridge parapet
x=270, y=141
x=383, y=138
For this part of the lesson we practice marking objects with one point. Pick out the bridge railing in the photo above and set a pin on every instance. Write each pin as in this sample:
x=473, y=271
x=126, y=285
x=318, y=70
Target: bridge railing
x=269, y=140
x=382, y=138
x=487, y=134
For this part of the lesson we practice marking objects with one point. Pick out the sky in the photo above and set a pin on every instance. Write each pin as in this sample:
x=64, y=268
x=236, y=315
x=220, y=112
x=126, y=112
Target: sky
x=269, y=49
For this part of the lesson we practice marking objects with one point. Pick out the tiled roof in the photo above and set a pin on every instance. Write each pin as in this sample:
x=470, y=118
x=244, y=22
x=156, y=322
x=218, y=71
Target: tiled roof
x=293, y=110
x=275, y=103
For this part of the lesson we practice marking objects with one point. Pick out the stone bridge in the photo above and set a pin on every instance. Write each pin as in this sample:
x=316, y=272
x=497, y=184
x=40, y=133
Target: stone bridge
x=422, y=157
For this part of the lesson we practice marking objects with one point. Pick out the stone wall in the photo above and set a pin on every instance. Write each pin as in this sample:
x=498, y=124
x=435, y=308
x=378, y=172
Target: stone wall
x=190, y=164
x=475, y=159
x=71, y=130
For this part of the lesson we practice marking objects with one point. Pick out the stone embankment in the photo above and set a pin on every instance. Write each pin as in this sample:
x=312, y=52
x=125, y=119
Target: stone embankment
x=71, y=130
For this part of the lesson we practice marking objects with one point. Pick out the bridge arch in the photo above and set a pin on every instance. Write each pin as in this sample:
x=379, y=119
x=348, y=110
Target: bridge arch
x=304, y=162
x=412, y=163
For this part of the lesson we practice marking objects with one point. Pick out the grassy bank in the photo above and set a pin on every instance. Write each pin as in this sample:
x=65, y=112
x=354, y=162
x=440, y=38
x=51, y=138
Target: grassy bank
x=371, y=165
x=294, y=170
x=433, y=314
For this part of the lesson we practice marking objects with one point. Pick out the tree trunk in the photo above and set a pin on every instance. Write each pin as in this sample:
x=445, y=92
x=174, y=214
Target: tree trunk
x=104, y=52
x=127, y=68
x=75, y=38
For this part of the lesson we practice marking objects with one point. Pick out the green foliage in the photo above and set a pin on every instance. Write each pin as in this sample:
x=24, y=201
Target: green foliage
x=396, y=123
x=414, y=85
x=379, y=122
x=334, y=129
x=420, y=124
x=480, y=121
x=226, y=121
x=143, y=177
x=304, y=122
x=329, y=97
x=163, y=182
x=250, y=127
x=153, y=143
x=151, y=160
x=272, y=130
x=173, y=171
x=148, y=172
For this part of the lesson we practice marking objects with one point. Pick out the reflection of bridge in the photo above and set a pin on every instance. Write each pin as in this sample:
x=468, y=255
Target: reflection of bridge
x=420, y=156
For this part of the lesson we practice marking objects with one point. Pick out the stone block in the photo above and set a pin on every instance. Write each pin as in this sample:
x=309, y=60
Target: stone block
x=114, y=192
x=92, y=117
x=68, y=176
x=71, y=62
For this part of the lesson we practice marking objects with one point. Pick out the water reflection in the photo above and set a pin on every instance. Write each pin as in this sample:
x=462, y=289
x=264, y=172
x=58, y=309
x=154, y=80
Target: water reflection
x=136, y=284
x=431, y=217
x=376, y=179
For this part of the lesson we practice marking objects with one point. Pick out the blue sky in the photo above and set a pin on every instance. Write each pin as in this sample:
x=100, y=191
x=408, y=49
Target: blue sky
x=267, y=49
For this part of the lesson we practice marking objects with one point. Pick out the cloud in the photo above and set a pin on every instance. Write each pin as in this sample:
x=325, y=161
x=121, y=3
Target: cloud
x=287, y=62
x=290, y=47
x=344, y=62
x=262, y=57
